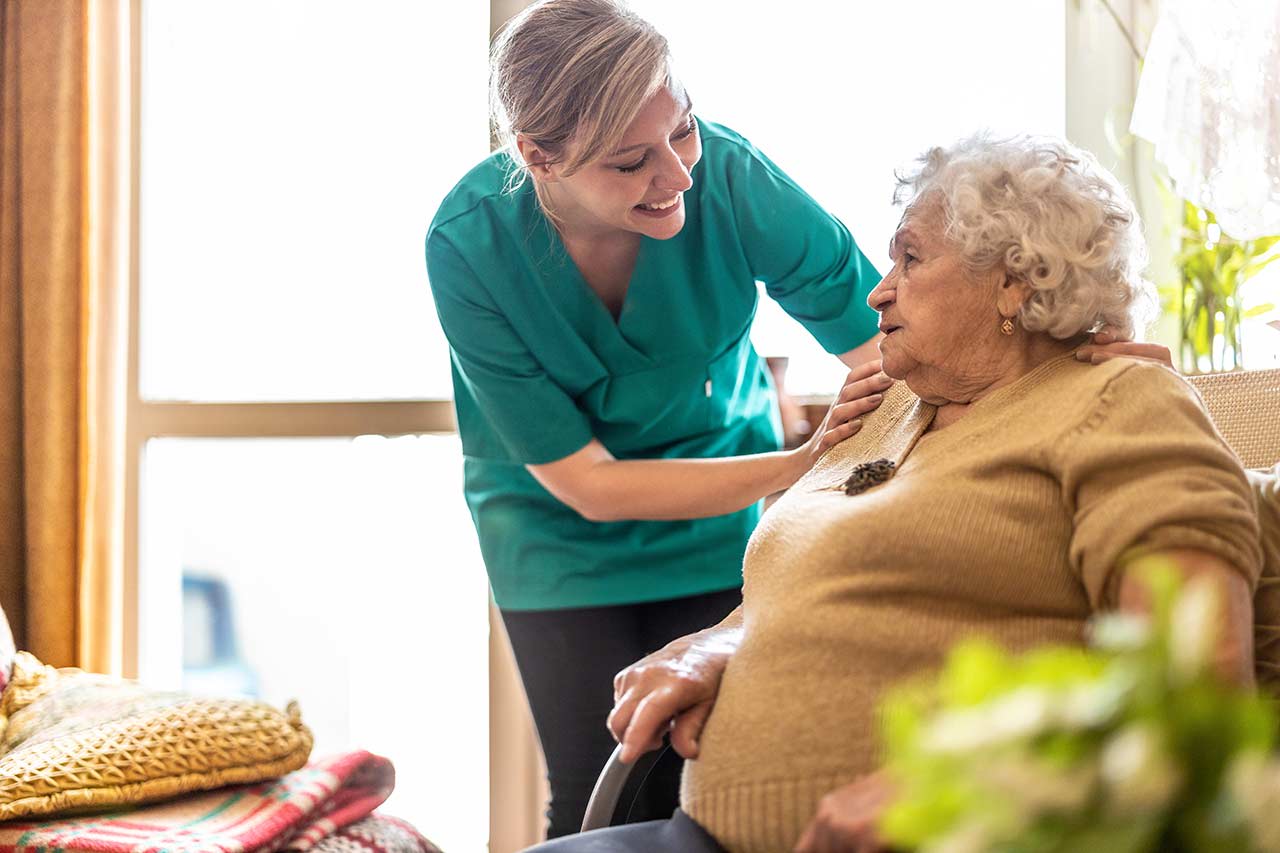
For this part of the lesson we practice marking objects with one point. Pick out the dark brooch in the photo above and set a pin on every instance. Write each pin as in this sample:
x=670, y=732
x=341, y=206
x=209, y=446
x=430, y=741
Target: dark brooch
x=868, y=474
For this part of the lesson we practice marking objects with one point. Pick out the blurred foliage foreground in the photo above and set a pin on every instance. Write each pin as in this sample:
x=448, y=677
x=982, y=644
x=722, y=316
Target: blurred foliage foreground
x=1133, y=744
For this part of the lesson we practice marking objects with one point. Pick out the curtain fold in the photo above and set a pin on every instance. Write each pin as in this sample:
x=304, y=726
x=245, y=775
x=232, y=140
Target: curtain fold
x=105, y=313
x=42, y=299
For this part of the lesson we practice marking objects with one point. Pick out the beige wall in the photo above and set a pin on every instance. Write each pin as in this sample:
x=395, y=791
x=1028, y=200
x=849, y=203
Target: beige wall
x=517, y=778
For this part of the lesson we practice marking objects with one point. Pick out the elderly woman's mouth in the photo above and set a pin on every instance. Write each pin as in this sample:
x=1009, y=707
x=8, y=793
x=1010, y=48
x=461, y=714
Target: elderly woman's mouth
x=888, y=328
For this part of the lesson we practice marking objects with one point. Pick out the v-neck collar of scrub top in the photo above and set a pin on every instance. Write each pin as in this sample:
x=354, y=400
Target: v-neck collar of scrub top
x=621, y=341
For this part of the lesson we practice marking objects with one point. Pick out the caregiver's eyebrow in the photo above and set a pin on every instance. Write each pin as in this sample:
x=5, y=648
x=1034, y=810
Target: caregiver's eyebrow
x=684, y=122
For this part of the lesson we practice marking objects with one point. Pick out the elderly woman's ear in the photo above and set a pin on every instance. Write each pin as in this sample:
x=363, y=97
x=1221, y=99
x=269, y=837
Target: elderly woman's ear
x=1011, y=294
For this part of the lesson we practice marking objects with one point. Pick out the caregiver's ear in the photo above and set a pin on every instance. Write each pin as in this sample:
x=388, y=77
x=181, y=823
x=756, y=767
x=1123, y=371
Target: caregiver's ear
x=538, y=160
x=1011, y=293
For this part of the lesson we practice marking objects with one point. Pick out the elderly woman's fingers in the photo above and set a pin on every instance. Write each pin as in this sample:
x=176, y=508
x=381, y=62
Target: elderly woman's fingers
x=619, y=682
x=808, y=840
x=624, y=708
x=822, y=838
x=846, y=818
x=650, y=721
x=627, y=677
x=815, y=839
x=688, y=728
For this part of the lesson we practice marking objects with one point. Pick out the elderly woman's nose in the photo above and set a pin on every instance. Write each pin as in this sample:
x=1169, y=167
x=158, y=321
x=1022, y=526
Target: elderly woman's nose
x=882, y=294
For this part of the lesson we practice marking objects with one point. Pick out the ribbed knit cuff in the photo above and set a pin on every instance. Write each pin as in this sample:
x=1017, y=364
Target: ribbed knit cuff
x=762, y=817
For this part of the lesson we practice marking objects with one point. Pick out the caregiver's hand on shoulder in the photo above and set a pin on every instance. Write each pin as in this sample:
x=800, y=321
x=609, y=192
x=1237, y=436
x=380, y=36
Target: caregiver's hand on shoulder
x=673, y=690
x=1107, y=345
x=846, y=818
x=862, y=393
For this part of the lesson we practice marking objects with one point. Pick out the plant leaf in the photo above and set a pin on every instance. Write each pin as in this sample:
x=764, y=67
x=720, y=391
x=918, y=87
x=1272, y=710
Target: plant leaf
x=1258, y=266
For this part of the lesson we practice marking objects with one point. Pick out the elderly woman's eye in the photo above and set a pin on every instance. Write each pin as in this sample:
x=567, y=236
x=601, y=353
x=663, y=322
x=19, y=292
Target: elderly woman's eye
x=908, y=259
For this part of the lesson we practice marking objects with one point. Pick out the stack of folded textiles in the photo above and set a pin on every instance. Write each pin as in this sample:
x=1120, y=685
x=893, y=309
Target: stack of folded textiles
x=92, y=763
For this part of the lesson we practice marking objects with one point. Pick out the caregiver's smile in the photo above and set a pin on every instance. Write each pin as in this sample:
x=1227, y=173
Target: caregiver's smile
x=662, y=209
x=640, y=186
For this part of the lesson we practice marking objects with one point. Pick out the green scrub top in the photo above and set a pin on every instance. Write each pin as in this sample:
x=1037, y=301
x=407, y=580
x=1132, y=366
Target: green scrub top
x=540, y=366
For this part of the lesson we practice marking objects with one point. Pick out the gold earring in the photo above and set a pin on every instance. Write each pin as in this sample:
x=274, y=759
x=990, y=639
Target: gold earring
x=1007, y=326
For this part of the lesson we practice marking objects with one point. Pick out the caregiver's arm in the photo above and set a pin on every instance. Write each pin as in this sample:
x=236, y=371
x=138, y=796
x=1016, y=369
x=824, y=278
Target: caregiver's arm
x=1233, y=654
x=674, y=688
x=602, y=488
x=861, y=354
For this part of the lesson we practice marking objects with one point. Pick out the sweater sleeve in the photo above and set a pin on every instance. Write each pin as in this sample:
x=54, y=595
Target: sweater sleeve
x=1266, y=599
x=1144, y=471
x=1266, y=488
x=536, y=419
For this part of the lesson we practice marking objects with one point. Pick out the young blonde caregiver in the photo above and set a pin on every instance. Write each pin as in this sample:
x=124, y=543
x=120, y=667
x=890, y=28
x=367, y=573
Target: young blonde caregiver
x=619, y=430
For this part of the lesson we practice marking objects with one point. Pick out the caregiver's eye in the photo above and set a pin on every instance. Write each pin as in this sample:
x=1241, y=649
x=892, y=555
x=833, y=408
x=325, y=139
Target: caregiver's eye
x=634, y=167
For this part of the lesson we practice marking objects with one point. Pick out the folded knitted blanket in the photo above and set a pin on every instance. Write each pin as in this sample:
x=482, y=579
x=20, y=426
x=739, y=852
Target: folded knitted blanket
x=323, y=807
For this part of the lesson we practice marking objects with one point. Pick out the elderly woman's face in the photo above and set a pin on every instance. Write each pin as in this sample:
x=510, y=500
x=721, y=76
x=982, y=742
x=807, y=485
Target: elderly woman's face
x=935, y=317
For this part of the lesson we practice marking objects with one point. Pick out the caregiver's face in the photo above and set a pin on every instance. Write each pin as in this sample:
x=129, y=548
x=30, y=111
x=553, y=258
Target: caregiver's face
x=935, y=317
x=640, y=186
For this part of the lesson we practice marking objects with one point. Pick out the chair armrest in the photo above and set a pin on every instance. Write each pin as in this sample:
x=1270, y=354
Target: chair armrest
x=604, y=798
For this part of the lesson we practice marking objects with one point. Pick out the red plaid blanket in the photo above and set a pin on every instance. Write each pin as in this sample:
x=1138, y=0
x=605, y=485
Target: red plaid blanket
x=296, y=812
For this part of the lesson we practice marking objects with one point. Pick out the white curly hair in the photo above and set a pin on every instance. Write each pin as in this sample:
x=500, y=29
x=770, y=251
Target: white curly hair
x=1048, y=213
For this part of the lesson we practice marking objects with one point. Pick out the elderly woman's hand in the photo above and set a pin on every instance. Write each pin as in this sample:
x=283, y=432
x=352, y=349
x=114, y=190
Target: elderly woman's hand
x=1108, y=345
x=672, y=689
x=846, y=818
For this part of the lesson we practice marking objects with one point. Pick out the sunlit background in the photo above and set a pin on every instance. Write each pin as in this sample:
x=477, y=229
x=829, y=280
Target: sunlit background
x=289, y=171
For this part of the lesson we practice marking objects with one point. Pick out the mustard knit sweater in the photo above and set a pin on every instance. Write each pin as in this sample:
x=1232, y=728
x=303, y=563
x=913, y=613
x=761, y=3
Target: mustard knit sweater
x=1009, y=523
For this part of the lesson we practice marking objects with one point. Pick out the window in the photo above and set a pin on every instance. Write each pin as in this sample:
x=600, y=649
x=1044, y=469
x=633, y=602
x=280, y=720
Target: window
x=301, y=530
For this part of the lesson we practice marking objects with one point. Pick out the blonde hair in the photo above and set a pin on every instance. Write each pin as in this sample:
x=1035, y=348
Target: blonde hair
x=572, y=71
x=1047, y=212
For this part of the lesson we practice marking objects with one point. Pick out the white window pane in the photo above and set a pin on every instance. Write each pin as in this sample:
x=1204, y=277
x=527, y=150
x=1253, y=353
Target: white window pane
x=839, y=94
x=293, y=153
x=1259, y=338
x=354, y=585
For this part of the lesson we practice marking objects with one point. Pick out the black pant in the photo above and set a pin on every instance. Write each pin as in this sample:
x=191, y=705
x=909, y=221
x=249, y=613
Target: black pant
x=567, y=661
x=680, y=834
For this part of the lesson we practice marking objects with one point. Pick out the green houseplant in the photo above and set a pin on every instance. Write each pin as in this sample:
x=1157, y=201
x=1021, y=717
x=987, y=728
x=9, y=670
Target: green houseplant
x=1213, y=270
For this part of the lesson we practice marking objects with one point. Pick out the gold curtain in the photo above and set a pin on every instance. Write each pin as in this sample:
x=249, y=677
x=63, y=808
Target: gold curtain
x=58, y=534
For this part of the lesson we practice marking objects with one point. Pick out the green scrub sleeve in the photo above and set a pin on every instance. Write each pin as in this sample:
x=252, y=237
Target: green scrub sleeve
x=806, y=258
x=533, y=416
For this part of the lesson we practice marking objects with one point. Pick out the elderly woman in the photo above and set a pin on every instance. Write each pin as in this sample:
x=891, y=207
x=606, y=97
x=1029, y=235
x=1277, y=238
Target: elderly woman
x=1001, y=489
